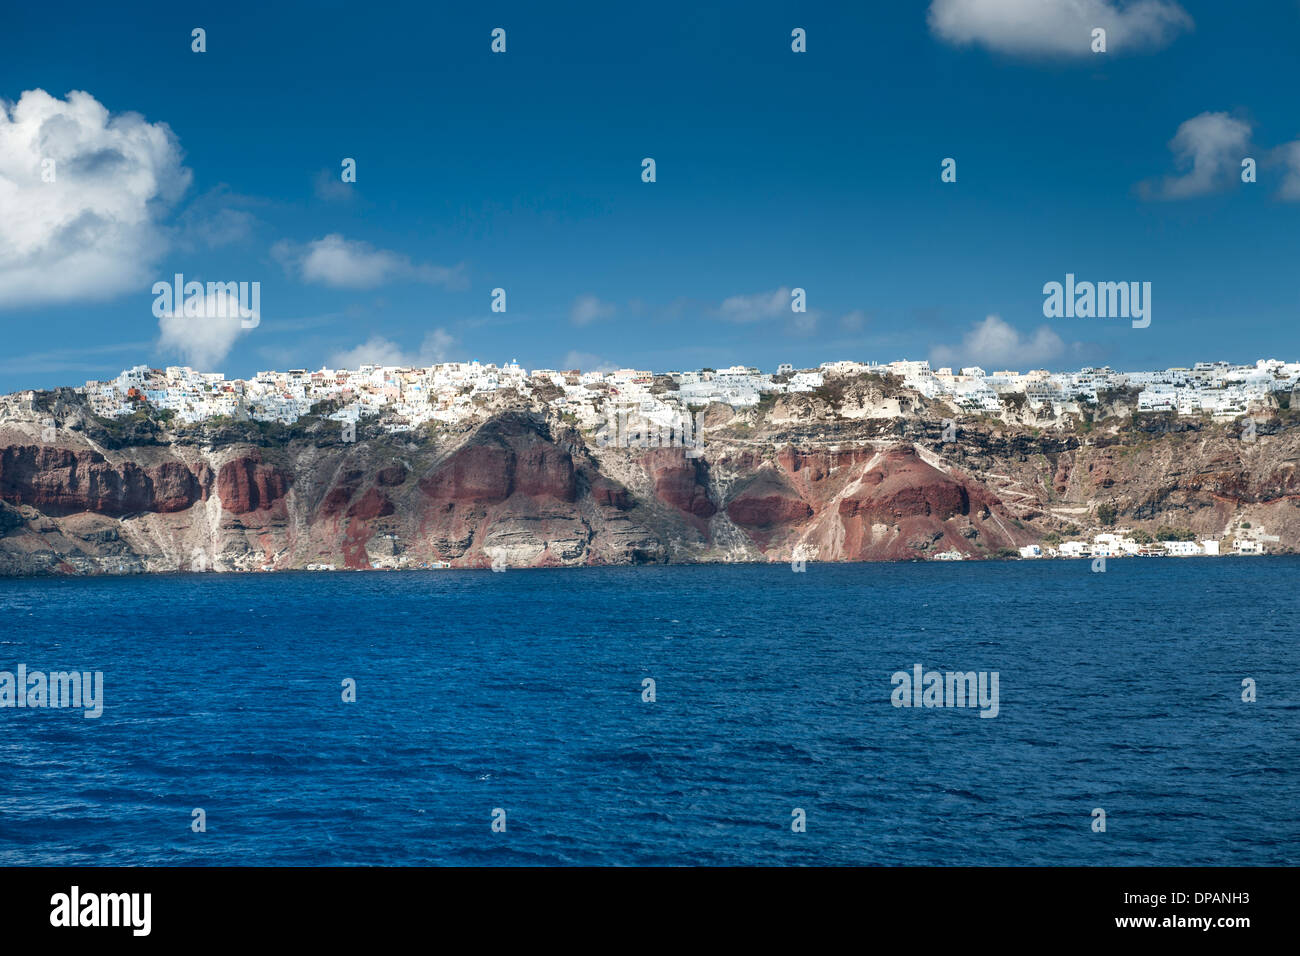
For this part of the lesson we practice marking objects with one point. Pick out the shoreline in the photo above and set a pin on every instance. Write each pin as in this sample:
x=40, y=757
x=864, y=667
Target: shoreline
x=577, y=567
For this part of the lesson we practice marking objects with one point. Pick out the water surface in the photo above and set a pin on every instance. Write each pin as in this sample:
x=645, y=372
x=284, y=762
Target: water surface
x=523, y=691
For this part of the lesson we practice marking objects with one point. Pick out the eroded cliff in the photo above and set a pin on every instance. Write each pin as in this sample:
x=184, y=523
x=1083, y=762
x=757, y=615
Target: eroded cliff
x=523, y=487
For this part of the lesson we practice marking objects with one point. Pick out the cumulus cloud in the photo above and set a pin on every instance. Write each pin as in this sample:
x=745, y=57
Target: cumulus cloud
x=94, y=232
x=351, y=263
x=1057, y=27
x=378, y=350
x=756, y=307
x=587, y=309
x=203, y=333
x=1210, y=147
x=994, y=342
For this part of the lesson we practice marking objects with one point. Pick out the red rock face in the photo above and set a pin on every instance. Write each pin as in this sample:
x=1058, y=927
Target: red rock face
x=176, y=487
x=353, y=544
x=609, y=493
x=922, y=509
x=767, y=507
x=491, y=471
x=508, y=475
x=359, y=529
x=767, y=502
x=1282, y=482
x=819, y=477
x=679, y=482
x=373, y=504
x=905, y=486
x=482, y=473
x=1100, y=472
x=513, y=484
x=60, y=482
x=901, y=508
x=338, y=497
x=544, y=469
x=246, y=485
x=812, y=467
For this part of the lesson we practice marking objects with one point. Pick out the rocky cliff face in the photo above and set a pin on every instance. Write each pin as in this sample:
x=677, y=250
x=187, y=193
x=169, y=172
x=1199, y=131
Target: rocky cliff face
x=869, y=480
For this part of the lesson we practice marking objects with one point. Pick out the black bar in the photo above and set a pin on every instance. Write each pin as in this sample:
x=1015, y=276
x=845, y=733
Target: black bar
x=950, y=906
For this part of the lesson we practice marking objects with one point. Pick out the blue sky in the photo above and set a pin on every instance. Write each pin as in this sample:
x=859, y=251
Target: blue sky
x=522, y=170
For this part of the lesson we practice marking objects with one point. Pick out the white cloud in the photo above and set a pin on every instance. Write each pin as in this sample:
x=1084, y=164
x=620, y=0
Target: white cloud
x=203, y=340
x=756, y=307
x=351, y=263
x=378, y=350
x=436, y=345
x=1288, y=155
x=94, y=231
x=1037, y=27
x=587, y=309
x=994, y=342
x=1210, y=147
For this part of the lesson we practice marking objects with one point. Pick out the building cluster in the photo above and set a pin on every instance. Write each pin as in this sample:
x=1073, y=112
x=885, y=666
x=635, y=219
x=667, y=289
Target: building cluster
x=1220, y=389
x=404, y=398
x=1121, y=544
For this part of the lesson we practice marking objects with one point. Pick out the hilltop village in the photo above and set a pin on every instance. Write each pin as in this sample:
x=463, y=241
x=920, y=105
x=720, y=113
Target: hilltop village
x=470, y=464
x=405, y=398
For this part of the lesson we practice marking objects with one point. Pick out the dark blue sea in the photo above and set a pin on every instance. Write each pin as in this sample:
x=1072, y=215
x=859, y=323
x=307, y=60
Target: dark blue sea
x=523, y=691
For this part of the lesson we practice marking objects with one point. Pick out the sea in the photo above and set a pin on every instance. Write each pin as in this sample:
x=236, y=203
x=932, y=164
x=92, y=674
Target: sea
x=706, y=715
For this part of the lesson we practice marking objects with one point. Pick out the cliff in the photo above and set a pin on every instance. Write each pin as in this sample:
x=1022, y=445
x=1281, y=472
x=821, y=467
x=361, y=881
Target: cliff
x=849, y=475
